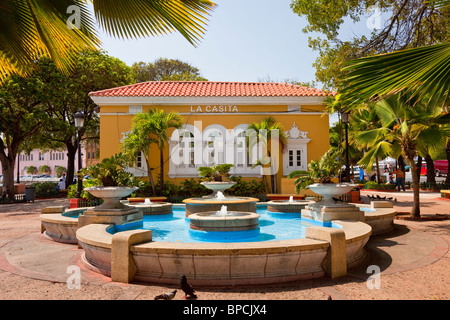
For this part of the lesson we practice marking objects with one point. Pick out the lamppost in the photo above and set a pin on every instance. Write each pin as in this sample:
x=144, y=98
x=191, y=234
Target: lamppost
x=79, y=122
x=345, y=120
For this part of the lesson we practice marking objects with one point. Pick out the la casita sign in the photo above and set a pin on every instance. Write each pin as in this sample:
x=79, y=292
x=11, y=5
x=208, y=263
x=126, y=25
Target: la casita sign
x=214, y=109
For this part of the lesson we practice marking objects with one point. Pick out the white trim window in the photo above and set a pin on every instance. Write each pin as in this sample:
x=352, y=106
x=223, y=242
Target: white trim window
x=296, y=157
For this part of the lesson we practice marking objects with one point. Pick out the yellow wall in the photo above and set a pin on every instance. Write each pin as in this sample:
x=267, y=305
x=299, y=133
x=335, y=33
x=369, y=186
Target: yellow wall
x=115, y=120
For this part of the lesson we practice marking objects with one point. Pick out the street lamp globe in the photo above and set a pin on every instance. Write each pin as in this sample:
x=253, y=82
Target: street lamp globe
x=79, y=119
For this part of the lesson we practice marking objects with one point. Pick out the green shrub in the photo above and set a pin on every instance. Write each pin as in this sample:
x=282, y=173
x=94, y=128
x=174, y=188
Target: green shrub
x=45, y=189
x=246, y=188
x=376, y=186
x=72, y=190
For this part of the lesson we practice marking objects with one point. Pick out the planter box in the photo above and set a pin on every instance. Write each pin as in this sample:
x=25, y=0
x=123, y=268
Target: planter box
x=82, y=203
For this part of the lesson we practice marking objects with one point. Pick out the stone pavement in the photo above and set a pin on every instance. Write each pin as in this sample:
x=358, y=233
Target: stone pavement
x=413, y=260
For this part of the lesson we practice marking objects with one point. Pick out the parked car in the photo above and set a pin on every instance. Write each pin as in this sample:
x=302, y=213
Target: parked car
x=440, y=168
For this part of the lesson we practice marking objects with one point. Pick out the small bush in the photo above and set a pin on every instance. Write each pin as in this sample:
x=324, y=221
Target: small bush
x=45, y=189
x=376, y=186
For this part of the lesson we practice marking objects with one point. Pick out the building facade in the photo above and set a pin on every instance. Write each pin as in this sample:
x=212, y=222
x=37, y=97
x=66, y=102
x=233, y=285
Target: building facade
x=216, y=117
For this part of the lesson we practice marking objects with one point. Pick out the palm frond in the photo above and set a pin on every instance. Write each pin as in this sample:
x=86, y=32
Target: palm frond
x=379, y=151
x=421, y=71
x=32, y=29
x=438, y=4
x=143, y=18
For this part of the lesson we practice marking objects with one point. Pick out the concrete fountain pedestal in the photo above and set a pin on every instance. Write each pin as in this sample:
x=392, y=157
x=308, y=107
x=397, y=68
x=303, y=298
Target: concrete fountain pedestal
x=328, y=209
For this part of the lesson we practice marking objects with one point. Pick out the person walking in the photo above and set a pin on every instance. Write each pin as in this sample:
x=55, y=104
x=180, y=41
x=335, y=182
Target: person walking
x=400, y=179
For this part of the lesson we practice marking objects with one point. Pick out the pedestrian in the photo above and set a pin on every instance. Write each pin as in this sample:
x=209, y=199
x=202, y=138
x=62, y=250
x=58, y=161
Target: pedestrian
x=62, y=184
x=400, y=180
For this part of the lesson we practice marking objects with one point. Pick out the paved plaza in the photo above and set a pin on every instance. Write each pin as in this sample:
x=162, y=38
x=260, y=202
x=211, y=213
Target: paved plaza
x=414, y=261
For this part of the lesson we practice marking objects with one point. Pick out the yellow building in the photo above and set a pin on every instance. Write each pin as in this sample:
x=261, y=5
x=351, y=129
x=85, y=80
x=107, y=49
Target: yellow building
x=216, y=116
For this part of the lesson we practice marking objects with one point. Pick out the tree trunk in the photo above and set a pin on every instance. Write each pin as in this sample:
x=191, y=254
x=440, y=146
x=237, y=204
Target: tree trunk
x=447, y=152
x=415, y=212
x=71, y=151
x=8, y=176
x=431, y=175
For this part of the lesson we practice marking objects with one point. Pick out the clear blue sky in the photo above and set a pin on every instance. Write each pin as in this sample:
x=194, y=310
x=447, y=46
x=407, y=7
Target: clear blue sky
x=245, y=40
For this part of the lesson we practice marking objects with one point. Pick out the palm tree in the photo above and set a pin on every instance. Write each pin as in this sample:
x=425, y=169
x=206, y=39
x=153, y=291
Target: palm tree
x=365, y=118
x=137, y=142
x=264, y=132
x=60, y=29
x=153, y=127
x=405, y=124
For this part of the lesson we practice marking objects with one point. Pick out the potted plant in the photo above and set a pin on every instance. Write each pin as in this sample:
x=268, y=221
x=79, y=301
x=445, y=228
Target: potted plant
x=319, y=178
x=212, y=177
x=113, y=181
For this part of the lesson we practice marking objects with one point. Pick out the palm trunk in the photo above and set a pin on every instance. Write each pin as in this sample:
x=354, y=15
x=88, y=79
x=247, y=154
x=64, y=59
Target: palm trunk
x=447, y=152
x=161, y=164
x=415, y=212
x=431, y=175
x=419, y=167
x=150, y=176
x=378, y=170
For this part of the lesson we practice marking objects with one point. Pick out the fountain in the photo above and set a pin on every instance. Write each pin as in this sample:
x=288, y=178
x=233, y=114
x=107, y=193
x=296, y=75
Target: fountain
x=224, y=220
x=330, y=207
x=207, y=204
x=152, y=208
x=112, y=210
x=287, y=206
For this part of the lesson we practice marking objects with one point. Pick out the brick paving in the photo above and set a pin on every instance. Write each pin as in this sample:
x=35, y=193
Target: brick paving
x=414, y=261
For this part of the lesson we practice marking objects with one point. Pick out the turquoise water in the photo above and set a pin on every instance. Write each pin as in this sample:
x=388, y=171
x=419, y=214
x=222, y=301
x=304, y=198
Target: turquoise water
x=272, y=226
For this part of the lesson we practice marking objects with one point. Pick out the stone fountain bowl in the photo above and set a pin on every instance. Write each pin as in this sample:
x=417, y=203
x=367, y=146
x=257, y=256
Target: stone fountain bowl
x=217, y=186
x=330, y=190
x=111, y=196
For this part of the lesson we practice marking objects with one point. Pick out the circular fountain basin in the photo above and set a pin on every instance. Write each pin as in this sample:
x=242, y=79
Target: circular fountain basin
x=239, y=204
x=232, y=221
x=287, y=206
x=155, y=208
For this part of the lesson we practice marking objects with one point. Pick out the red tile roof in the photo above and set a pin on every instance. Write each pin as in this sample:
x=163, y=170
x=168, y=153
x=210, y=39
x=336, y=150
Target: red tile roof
x=210, y=89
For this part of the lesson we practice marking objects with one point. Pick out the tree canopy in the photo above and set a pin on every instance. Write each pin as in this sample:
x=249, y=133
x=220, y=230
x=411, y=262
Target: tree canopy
x=407, y=24
x=164, y=69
